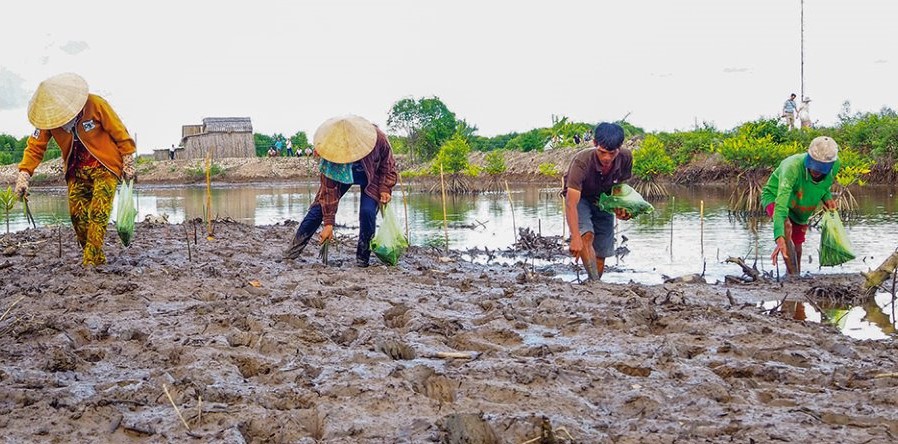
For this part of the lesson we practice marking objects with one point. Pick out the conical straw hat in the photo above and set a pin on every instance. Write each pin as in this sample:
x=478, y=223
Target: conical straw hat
x=57, y=101
x=345, y=139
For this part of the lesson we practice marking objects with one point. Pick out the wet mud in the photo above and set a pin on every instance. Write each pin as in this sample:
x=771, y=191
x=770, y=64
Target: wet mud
x=232, y=344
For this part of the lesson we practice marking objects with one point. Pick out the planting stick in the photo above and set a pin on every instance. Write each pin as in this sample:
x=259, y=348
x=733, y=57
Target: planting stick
x=563, y=213
x=209, y=229
x=514, y=226
x=701, y=218
x=164, y=388
x=673, y=201
x=187, y=238
x=445, y=220
x=404, y=206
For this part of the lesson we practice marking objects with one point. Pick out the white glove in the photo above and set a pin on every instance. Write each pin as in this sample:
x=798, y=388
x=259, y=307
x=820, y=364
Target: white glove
x=128, y=167
x=22, y=184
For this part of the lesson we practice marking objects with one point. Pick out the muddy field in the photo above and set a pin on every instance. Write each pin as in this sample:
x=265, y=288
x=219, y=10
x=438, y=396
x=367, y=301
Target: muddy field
x=255, y=349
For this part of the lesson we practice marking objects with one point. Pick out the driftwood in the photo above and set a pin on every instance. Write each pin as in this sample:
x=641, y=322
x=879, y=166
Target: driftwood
x=880, y=274
x=752, y=272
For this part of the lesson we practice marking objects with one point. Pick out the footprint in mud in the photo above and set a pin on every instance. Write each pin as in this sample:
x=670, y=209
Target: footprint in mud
x=467, y=428
x=396, y=350
x=250, y=367
x=61, y=361
x=429, y=383
x=395, y=317
x=347, y=337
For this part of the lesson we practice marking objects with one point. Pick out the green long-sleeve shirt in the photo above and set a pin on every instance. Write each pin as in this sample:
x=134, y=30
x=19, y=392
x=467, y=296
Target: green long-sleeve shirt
x=794, y=193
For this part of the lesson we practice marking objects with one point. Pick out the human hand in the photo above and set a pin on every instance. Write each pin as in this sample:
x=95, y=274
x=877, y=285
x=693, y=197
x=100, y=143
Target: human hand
x=576, y=246
x=327, y=233
x=22, y=184
x=385, y=198
x=622, y=214
x=830, y=204
x=780, y=248
x=128, y=171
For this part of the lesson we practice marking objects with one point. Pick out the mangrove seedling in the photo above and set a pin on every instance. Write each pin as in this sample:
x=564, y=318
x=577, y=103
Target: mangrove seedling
x=7, y=202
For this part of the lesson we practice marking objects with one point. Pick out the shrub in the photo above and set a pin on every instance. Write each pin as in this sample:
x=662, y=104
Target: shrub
x=650, y=159
x=494, y=162
x=453, y=156
x=199, y=172
x=750, y=153
x=854, y=166
x=548, y=169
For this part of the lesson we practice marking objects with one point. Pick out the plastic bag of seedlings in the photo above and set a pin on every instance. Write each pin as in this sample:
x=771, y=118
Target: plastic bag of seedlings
x=389, y=242
x=125, y=213
x=624, y=196
x=835, y=247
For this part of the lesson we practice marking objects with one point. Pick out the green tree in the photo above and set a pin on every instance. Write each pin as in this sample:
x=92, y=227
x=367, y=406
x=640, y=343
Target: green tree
x=494, y=162
x=453, y=156
x=262, y=142
x=300, y=140
x=532, y=140
x=426, y=123
x=651, y=160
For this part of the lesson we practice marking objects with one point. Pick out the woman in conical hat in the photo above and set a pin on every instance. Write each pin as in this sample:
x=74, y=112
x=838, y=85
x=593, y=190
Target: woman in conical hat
x=97, y=152
x=352, y=151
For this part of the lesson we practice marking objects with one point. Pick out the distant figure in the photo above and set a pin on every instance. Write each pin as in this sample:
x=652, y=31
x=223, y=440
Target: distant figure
x=577, y=139
x=171, y=152
x=289, y=148
x=804, y=112
x=789, y=111
x=272, y=152
x=279, y=146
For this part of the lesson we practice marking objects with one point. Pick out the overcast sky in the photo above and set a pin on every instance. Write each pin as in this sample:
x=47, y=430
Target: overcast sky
x=501, y=65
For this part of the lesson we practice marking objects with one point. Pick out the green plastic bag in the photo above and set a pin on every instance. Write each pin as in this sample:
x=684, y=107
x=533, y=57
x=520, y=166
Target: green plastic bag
x=835, y=247
x=125, y=213
x=389, y=243
x=624, y=196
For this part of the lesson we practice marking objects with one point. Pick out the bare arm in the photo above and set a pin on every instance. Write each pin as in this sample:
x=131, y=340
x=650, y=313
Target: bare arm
x=573, y=220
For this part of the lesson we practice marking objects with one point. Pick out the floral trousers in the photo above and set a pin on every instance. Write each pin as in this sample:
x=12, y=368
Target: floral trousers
x=91, y=190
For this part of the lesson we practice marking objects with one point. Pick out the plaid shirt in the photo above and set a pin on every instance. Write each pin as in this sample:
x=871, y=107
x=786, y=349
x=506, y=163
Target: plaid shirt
x=380, y=169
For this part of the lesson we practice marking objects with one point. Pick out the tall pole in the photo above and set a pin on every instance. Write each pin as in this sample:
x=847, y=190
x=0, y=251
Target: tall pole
x=802, y=50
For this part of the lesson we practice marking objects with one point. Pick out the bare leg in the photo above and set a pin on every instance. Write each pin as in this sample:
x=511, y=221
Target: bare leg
x=588, y=256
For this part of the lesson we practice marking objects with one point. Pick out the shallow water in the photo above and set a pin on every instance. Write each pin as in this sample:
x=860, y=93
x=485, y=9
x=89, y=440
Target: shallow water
x=673, y=241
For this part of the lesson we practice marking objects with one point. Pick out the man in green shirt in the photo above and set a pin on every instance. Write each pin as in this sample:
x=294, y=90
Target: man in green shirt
x=793, y=192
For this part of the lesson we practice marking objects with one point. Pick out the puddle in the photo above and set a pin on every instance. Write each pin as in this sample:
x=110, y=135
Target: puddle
x=873, y=320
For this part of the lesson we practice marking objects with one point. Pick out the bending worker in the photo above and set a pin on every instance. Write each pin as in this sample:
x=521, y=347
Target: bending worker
x=594, y=171
x=794, y=191
x=97, y=152
x=353, y=152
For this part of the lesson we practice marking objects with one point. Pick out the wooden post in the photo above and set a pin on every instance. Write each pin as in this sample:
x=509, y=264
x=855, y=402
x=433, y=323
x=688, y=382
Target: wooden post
x=404, y=206
x=563, y=212
x=210, y=229
x=514, y=225
x=701, y=217
x=445, y=220
x=673, y=201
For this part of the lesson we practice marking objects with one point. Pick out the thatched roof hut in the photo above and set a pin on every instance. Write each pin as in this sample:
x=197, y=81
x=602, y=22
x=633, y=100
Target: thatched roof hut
x=225, y=136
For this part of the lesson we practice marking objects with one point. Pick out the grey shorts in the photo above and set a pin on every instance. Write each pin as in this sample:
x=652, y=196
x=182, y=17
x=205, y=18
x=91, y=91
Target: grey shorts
x=600, y=223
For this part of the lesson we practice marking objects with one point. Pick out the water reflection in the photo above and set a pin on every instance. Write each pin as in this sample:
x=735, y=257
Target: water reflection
x=667, y=242
x=874, y=319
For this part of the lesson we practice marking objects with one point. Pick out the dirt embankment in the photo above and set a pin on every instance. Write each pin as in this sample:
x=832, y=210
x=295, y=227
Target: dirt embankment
x=254, y=349
x=543, y=167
